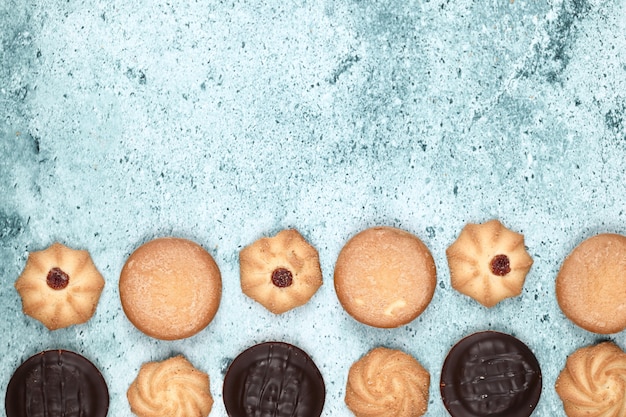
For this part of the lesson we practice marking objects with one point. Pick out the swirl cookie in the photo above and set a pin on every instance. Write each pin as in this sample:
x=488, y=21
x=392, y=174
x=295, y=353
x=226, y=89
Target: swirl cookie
x=385, y=277
x=170, y=288
x=591, y=284
x=60, y=286
x=387, y=383
x=172, y=388
x=593, y=382
x=281, y=272
x=488, y=262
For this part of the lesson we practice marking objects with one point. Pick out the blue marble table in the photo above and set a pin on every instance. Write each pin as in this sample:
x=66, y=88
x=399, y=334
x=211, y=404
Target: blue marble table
x=226, y=121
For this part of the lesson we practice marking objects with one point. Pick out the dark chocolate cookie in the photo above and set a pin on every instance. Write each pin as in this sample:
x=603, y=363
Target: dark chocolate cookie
x=57, y=383
x=490, y=374
x=273, y=379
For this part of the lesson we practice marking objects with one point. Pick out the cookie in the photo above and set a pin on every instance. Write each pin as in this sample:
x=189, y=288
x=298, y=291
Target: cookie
x=273, y=379
x=387, y=383
x=280, y=272
x=170, y=288
x=385, y=277
x=488, y=262
x=489, y=374
x=172, y=388
x=591, y=284
x=60, y=286
x=57, y=383
x=593, y=382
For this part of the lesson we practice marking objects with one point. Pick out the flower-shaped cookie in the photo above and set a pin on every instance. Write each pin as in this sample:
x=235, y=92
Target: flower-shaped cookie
x=60, y=286
x=387, y=383
x=488, y=262
x=593, y=382
x=281, y=272
x=172, y=388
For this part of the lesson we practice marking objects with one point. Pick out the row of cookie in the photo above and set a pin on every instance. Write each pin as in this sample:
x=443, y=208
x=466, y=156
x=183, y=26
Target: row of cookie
x=484, y=374
x=170, y=288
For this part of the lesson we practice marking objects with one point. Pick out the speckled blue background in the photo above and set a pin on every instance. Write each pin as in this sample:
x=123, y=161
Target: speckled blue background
x=226, y=121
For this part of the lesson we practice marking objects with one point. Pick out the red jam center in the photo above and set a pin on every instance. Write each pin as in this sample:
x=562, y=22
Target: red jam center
x=282, y=277
x=500, y=265
x=57, y=279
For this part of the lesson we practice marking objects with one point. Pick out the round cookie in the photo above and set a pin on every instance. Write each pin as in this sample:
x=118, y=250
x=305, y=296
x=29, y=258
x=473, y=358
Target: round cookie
x=385, y=277
x=60, y=286
x=387, y=383
x=273, y=379
x=591, y=285
x=170, y=288
x=55, y=379
x=489, y=374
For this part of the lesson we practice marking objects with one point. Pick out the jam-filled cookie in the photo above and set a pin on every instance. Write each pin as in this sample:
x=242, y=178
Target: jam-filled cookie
x=488, y=262
x=280, y=272
x=60, y=286
x=172, y=388
x=387, y=383
x=385, y=277
x=591, y=285
x=170, y=288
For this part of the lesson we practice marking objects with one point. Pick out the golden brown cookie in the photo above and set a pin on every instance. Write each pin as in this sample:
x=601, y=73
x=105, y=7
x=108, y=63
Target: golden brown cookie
x=591, y=285
x=488, y=262
x=593, y=382
x=170, y=288
x=60, y=286
x=280, y=272
x=387, y=383
x=171, y=388
x=385, y=277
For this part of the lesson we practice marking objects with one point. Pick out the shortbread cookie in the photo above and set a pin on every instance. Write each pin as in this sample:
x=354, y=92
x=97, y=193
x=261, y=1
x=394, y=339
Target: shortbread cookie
x=593, y=382
x=172, y=388
x=385, y=277
x=591, y=285
x=60, y=286
x=488, y=262
x=170, y=288
x=387, y=383
x=280, y=272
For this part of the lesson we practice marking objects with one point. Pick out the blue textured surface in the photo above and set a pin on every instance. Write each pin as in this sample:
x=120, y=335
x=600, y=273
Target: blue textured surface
x=226, y=121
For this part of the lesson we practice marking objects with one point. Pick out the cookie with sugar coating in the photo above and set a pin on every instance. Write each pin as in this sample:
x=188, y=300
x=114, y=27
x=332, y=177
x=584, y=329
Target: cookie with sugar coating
x=591, y=284
x=170, y=288
x=385, y=277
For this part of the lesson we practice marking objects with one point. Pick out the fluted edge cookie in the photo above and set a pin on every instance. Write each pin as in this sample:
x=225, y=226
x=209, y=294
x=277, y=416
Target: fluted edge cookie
x=387, y=383
x=60, y=286
x=281, y=272
x=488, y=262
